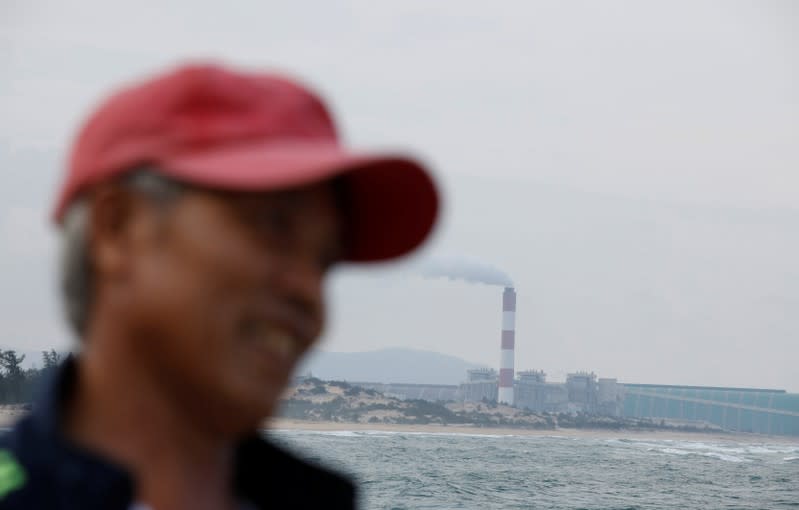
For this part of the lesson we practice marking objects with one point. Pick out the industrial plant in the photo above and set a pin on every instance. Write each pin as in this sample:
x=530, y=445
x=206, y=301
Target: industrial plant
x=581, y=393
x=529, y=389
x=762, y=411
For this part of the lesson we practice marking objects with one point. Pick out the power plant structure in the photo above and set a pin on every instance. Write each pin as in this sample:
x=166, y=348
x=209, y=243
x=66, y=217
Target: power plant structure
x=530, y=390
x=506, y=368
x=481, y=385
x=762, y=411
x=753, y=410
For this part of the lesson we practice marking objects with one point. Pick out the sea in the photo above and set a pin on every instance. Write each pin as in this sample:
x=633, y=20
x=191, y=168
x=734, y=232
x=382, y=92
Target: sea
x=402, y=470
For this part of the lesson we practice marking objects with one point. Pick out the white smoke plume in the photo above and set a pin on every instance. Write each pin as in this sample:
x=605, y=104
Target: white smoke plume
x=467, y=269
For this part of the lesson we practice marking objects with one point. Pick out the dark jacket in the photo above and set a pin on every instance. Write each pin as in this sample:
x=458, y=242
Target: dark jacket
x=41, y=469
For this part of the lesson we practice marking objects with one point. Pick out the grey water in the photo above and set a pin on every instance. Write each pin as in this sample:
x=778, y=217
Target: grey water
x=398, y=470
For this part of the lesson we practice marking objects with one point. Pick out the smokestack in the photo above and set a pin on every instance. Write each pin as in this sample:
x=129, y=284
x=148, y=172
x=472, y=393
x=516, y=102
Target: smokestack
x=508, y=341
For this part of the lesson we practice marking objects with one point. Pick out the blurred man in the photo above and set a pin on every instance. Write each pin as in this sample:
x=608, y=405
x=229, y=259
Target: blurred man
x=200, y=214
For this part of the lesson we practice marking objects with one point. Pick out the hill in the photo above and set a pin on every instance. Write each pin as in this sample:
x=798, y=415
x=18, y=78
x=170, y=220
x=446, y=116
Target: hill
x=394, y=365
x=313, y=400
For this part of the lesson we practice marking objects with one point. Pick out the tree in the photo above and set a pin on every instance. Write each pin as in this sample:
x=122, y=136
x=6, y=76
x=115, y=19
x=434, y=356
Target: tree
x=13, y=376
x=11, y=362
x=51, y=359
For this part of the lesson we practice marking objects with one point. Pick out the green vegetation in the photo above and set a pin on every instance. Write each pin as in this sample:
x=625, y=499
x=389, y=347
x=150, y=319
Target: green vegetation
x=316, y=400
x=18, y=386
x=340, y=401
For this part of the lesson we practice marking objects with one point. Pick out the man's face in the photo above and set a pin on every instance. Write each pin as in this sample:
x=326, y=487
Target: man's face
x=228, y=295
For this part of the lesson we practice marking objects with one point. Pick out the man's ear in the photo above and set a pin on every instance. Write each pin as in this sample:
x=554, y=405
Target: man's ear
x=112, y=222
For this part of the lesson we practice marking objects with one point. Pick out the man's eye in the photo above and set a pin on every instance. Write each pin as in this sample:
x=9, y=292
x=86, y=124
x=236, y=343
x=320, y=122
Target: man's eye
x=278, y=221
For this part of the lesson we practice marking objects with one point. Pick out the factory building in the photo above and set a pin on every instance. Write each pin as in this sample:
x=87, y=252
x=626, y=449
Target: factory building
x=761, y=411
x=532, y=377
x=582, y=388
x=556, y=398
x=610, y=397
x=530, y=390
x=481, y=384
x=581, y=393
x=408, y=391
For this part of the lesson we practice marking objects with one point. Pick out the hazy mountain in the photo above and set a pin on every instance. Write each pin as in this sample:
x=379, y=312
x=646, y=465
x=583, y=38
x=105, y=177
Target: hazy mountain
x=394, y=365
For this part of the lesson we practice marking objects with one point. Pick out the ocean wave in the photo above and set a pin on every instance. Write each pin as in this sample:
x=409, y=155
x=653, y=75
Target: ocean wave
x=302, y=432
x=726, y=458
x=715, y=455
x=733, y=452
x=389, y=433
x=426, y=470
x=428, y=434
x=674, y=451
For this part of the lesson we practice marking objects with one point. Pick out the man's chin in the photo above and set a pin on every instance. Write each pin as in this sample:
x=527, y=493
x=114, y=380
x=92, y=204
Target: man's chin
x=239, y=415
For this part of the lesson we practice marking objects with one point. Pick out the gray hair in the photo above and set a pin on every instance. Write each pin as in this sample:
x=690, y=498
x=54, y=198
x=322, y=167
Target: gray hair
x=77, y=272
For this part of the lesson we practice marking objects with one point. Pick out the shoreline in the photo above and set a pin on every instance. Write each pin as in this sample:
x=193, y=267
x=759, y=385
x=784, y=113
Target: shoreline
x=8, y=417
x=280, y=424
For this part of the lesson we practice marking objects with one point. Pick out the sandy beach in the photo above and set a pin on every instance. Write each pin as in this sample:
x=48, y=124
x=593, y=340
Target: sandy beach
x=10, y=415
x=322, y=426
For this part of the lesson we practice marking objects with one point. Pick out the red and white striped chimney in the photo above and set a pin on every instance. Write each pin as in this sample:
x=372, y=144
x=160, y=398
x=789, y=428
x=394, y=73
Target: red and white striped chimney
x=508, y=340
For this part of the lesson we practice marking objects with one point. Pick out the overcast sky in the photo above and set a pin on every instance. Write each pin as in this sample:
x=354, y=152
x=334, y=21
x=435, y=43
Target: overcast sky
x=631, y=165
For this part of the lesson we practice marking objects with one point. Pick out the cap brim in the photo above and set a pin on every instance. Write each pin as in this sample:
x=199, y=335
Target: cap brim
x=393, y=202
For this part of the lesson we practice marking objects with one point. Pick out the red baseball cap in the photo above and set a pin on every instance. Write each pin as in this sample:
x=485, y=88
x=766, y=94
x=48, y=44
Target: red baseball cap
x=219, y=128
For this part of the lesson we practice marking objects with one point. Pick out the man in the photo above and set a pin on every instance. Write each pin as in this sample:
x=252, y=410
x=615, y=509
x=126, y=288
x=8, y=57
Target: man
x=200, y=214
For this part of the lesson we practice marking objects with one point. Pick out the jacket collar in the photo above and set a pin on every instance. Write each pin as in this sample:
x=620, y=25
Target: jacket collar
x=81, y=471
x=95, y=481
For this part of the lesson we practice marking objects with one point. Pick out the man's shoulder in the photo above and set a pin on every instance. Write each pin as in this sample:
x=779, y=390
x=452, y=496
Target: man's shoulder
x=21, y=468
x=40, y=470
x=264, y=466
x=34, y=473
